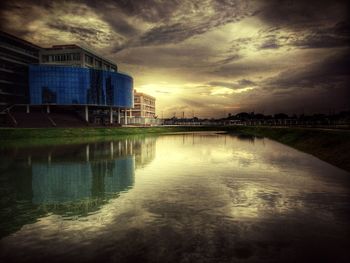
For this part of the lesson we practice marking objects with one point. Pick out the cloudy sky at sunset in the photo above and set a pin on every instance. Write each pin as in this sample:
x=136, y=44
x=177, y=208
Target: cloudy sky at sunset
x=210, y=57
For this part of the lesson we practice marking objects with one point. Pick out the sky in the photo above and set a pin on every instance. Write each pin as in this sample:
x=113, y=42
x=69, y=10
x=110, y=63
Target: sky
x=207, y=58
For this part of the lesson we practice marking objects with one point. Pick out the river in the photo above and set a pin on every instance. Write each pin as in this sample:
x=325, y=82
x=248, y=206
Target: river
x=196, y=197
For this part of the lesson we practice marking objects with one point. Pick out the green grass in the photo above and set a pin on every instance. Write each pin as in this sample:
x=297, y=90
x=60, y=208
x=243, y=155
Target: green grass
x=50, y=136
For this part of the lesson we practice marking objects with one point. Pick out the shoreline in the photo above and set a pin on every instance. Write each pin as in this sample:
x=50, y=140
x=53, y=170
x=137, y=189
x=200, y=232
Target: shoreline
x=332, y=146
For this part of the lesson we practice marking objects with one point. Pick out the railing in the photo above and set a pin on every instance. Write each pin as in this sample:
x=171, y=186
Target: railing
x=12, y=119
x=7, y=109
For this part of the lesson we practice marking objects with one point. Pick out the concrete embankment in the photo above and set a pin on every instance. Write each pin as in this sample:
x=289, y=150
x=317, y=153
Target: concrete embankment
x=332, y=146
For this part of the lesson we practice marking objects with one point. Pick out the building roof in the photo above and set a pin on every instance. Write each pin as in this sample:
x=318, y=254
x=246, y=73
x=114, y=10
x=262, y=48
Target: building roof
x=20, y=40
x=55, y=47
x=143, y=94
x=74, y=46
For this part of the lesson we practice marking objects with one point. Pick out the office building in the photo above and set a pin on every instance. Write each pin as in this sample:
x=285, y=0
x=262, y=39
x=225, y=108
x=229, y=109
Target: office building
x=74, y=55
x=62, y=77
x=53, y=85
x=144, y=111
x=15, y=56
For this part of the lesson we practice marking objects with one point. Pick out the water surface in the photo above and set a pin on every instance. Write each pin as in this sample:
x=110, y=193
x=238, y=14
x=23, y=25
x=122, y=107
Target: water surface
x=201, y=197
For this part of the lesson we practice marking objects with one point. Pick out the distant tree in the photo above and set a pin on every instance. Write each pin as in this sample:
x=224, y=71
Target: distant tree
x=243, y=116
x=280, y=116
x=259, y=116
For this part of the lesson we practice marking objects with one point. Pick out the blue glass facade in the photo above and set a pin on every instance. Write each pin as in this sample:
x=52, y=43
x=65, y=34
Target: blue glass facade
x=66, y=85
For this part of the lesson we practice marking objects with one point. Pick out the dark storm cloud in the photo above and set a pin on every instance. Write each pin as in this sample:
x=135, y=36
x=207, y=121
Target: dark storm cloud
x=169, y=34
x=113, y=13
x=243, y=83
x=312, y=24
x=301, y=14
x=246, y=82
x=184, y=56
x=148, y=10
x=175, y=21
x=330, y=73
x=120, y=25
x=238, y=43
x=192, y=18
x=45, y=9
x=21, y=8
x=66, y=22
x=82, y=32
x=243, y=68
x=172, y=21
x=303, y=101
x=228, y=59
x=269, y=44
x=335, y=36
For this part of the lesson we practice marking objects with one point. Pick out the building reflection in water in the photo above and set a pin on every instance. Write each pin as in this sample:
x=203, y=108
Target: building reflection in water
x=72, y=180
x=60, y=182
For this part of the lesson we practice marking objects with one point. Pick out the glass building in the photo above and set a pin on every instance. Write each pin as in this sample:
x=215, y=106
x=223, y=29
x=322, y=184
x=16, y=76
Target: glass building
x=75, y=84
x=67, y=85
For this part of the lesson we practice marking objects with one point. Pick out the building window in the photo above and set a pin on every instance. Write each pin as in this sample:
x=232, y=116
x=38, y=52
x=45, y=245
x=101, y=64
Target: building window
x=45, y=58
x=98, y=63
x=89, y=59
x=76, y=56
x=48, y=96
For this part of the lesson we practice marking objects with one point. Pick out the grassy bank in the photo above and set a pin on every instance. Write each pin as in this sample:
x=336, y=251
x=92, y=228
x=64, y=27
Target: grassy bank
x=332, y=146
x=49, y=136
